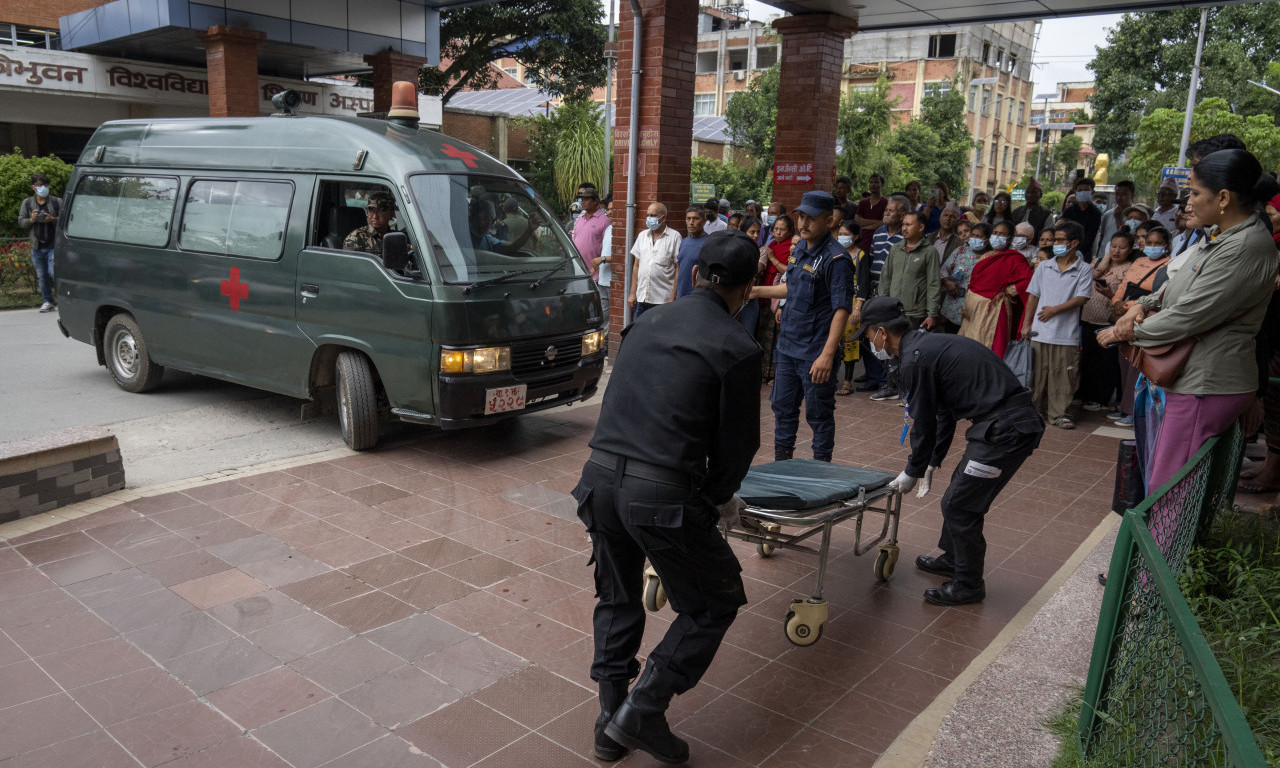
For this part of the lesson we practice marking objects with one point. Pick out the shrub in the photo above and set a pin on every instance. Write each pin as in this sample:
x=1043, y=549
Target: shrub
x=15, y=185
x=16, y=271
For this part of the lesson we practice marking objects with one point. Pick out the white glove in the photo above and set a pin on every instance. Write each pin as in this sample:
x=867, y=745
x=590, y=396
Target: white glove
x=731, y=511
x=925, y=483
x=903, y=483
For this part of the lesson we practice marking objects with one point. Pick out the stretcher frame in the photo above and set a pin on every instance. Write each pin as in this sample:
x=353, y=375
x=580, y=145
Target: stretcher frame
x=764, y=526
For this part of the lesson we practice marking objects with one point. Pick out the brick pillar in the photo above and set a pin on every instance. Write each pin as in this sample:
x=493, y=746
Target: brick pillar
x=670, y=43
x=233, y=71
x=388, y=67
x=809, y=97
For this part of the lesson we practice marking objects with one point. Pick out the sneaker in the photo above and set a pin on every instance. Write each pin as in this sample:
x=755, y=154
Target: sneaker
x=885, y=393
x=1091, y=406
x=1115, y=415
x=1127, y=421
x=47, y=306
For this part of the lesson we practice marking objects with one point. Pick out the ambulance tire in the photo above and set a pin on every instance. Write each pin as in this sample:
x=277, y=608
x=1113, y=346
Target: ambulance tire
x=357, y=401
x=127, y=357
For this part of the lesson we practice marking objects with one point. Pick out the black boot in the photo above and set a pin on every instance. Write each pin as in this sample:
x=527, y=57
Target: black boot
x=641, y=722
x=782, y=454
x=612, y=694
x=942, y=565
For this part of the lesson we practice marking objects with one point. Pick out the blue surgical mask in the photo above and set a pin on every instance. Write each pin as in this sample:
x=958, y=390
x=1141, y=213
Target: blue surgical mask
x=1101, y=208
x=1132, y=225
x=42, y=191
x=1059, y=249
x=1154, y=251
x=998, y=242
x=1084, y=196
x=845, y=240
x=652, y=222
x=977, y=244
x=769, y=220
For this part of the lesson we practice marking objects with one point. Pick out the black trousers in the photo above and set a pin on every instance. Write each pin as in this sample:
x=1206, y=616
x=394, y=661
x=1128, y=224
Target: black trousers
x=997, y=448
x=629, y=519
x=1099, y=367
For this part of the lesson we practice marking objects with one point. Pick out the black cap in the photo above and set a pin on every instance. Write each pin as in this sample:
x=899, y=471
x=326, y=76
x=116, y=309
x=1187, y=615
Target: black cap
x=816, y=203
x=878, y=311
x=729, y=258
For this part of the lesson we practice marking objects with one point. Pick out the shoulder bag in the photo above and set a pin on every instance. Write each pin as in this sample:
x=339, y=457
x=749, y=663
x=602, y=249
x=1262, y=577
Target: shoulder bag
x=1163, y=364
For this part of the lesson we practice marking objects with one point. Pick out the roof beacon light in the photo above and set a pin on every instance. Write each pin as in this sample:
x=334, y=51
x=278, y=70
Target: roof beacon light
x=404, y=104
x=286, y=103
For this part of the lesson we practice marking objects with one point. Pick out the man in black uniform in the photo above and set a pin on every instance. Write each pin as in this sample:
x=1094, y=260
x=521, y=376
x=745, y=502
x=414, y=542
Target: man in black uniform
x=947, y=378
x=678, y=429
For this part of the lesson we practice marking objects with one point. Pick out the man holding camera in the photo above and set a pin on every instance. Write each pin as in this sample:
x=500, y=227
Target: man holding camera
x=39, y=213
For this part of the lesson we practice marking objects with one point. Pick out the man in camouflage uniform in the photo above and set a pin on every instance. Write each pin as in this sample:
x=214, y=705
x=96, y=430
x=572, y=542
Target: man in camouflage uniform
x=381, y=209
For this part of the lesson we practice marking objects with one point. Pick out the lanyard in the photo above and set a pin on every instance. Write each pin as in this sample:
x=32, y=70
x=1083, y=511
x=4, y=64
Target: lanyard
x=906, y=422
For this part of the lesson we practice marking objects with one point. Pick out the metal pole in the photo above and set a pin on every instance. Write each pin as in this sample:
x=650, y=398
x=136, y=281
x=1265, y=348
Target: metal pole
x=1191, y=91
x=1044, y=135
x=977, y=132
x=633, y=156
x=608, y=107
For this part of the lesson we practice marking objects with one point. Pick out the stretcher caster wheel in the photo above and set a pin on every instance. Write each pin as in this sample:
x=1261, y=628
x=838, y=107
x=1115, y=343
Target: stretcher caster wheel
x=805, y=621
x=885, y=561
x=763, y=549
x=654, y=596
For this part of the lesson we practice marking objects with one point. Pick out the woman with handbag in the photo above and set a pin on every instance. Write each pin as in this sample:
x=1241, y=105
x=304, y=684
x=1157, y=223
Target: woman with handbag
x=1139, y=281
x=1195, y=336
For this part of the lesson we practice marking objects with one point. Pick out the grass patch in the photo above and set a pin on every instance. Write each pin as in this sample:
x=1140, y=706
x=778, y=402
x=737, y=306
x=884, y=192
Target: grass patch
x=1064, y=725
x=19, y=299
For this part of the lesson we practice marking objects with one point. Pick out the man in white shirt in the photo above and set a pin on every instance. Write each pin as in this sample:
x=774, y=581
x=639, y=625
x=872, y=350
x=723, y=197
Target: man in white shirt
x=1166, y=210
x=653, y=268
x=711, y=209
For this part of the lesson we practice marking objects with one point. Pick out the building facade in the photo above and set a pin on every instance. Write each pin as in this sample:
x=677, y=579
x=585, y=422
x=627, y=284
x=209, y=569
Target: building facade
x=1067, y=112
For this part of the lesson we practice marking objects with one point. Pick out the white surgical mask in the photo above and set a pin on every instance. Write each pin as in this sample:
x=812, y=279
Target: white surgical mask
x=1154, y=251
x=998, y=242
x=1019, y=242
x=652, y=222
x=977, y=243
x=1101, y=208
x=881, y=353
x=845, y=240
x=42, y=191
x=770, y=219
x=1132, y=225
x=1084, y=196
x=1060, y=249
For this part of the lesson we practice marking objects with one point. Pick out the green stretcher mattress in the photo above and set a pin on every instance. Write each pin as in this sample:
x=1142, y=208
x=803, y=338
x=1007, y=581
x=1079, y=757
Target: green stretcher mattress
x=799, y=484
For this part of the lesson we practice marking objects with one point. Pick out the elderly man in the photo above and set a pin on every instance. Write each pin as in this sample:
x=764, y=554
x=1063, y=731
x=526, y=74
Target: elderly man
x=653, y=268
x=1166, y=211
x=1024, y=241
x=379, y=213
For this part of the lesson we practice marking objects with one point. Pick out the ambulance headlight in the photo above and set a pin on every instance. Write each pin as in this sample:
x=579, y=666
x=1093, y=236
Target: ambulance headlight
x=592, y=342
x=483, y=360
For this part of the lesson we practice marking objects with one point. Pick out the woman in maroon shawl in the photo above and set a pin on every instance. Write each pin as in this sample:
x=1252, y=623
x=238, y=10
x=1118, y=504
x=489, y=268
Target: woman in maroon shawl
x=997, y=295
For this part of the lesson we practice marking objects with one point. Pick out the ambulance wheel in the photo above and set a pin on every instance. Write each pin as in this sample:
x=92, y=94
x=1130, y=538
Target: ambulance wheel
x=357, y=401
x=654, y=595
x=885, y=561
x=127, y=357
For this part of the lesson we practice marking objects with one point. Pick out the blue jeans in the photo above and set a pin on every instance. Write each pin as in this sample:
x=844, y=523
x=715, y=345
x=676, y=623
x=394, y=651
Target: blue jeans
x=791, y=384
x=42, y=260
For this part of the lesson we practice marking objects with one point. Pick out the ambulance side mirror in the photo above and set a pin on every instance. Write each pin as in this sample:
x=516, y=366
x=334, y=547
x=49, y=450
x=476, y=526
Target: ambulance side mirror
x=395, y=251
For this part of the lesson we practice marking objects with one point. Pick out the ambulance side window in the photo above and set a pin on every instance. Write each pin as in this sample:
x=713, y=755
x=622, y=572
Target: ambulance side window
x=123, y=209
x=237, y=218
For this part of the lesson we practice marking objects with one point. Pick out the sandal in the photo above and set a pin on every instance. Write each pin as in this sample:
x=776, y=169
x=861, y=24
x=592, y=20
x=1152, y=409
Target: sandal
x=1248, y=486
x=1102, y=579
x=1064, y=423
x=846, y=388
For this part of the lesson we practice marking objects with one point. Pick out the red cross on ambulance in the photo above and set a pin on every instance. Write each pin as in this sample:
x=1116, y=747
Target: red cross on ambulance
x=234, y=289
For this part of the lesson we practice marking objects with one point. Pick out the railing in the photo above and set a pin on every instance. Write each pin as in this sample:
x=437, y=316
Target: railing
x=1155, y=694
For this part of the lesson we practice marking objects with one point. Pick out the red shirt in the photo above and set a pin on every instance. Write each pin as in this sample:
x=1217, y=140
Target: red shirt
x=868, y=211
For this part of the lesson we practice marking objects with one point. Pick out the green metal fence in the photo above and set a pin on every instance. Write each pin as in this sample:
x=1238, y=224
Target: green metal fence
x=1155, y=694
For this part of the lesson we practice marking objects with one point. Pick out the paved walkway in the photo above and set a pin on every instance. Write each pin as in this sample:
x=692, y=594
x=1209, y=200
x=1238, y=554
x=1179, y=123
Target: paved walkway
x=429, y=604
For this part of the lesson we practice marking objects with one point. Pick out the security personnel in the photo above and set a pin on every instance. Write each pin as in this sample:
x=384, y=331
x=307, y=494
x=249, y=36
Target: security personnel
x=678, y=429
x=947, y=378
x=380, y=210
x=819, y=294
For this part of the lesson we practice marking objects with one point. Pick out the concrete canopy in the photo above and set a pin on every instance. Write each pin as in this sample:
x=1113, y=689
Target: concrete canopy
x=898, y=14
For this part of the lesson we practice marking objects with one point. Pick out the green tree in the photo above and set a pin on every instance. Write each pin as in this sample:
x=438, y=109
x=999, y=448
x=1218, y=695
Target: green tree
x=1160, y=133
x=944, y=112
x=1147, y=61
x=15, y=185
x=559, y=42
x=736, y=183
x=568, y=149
x=863, y=126
x=751, y=116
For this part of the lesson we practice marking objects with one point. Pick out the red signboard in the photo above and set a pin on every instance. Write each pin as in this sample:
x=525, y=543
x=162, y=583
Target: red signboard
x=793, y=173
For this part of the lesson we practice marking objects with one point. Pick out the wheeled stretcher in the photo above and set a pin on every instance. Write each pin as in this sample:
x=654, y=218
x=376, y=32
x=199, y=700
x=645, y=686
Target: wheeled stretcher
x=813, y=496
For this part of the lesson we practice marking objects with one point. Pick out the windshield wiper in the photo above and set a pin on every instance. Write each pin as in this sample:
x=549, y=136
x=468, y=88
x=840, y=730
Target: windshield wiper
x=502, y=278
x=554, y=270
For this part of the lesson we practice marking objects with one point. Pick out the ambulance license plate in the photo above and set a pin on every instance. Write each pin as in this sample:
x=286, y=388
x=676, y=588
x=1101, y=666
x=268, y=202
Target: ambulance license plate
x=504, y=399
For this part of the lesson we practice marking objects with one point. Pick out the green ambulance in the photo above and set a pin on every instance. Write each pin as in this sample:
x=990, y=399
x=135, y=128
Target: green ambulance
x=230, y=248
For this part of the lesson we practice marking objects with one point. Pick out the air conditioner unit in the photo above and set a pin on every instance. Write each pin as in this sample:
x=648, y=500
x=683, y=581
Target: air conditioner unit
x=739, y=75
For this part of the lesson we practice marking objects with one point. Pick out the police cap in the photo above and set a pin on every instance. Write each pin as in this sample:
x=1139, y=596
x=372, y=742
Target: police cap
x=816, y=203
x=729, y=258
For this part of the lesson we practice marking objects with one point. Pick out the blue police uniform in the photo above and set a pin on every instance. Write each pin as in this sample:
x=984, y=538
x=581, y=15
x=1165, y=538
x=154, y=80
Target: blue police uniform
x=819, y=284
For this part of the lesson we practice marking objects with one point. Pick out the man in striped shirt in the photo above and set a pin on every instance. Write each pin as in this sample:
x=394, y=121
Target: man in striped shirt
x=889, y=233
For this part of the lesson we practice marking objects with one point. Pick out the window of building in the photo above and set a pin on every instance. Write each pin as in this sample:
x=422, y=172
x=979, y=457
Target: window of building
x=1013, y=62
x=737, y=58
x=766, y=57
x=942, y=46
x=704, y=104
x=123, y=209
x=940, y=88
x=707, y=62
x=238, y=218
x=1022, y=112
x=1015, y=161
x=986, y=53
x=973, y=98
x=978, y=151
x=513, y=72
x=1004, y=158
x=1010, y=110
x=999, y=57
x=993, y=154
x=29, y=37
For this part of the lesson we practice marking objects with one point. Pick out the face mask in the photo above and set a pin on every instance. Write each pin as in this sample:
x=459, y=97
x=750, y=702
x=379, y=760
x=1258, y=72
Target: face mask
x=977, y=244
x=1084, y=196
x=42, y=191
x=845, y=240
x=998, y=242
x=1059, y=249
x=1154, y=251
x=1131, y=225
x=769, y=220
x=981, y=208
x=652, y=223
x=1101, y=207
x=881, y=353
x=1019, y=242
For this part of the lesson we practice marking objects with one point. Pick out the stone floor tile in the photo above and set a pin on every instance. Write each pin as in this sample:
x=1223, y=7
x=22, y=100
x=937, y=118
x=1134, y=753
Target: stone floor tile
x=439, y=552
x=480, y=612
x=25, y=681
x=156, y=548
x=84, y=567
x=221, y=532
x=345, y=550
x=261, y=699
x=368, y=611
x=114, y=587
x=92, y=750
x=463, y=733
x=58, y=548
x=285, y=569
x=387, y=752
x=184, y=567
x=179, y=636
x=218, y=588
x=173, y=733
x=326, y=589
x=401, y=696
x=220, y=665
x=472, y=664
x=344, y=666
x=41, y=723
x=859, y=719
x=294, y=638
x=37, y=607
x=241, y=752
x=429, y=590
x=417, y=636
x=131, y=696
x=811, y=748
x=251, y=550
x=317, y=734
x=386, y=570
x=533, y=749
x=94, y=663
x=533, y=696
x=250, y=614
x=145, y=610
x=53, y=635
